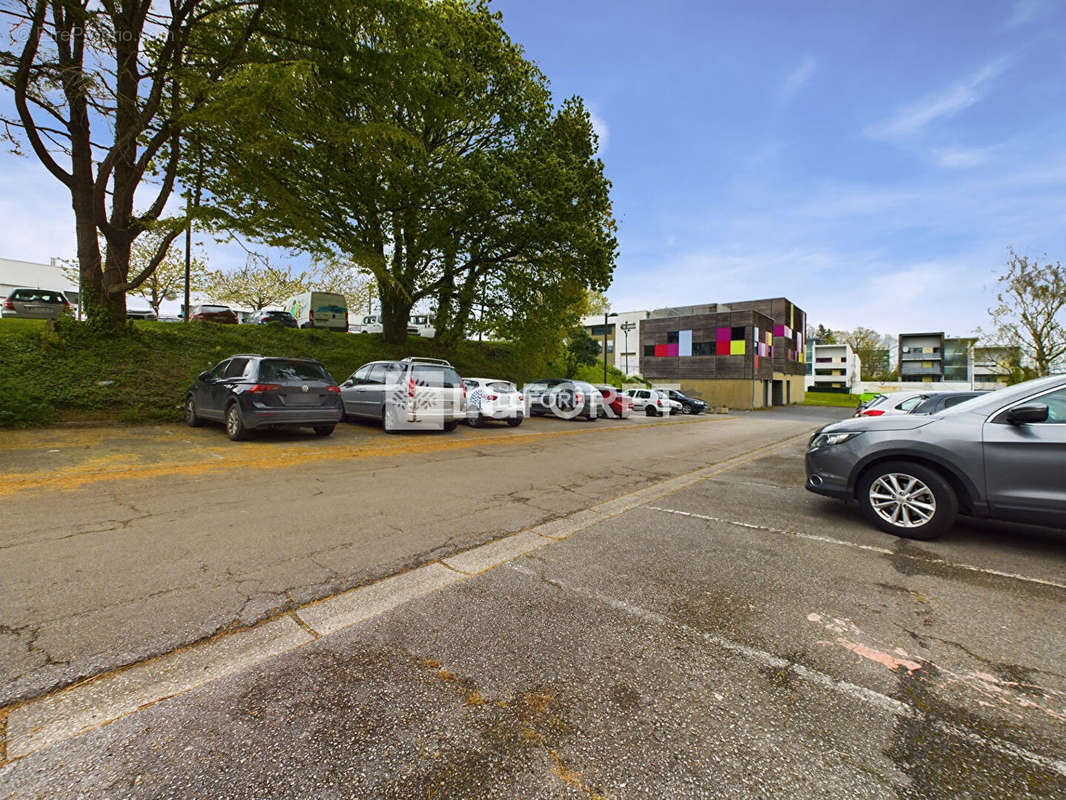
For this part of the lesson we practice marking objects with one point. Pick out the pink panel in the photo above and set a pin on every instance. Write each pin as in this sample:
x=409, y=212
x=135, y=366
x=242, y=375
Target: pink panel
x=723, y=334
x=672, y=349
x=779, y=330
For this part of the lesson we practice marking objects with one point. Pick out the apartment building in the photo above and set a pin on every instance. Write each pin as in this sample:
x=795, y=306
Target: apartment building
x=832, y=368
x=622, y=334
x=935, y=358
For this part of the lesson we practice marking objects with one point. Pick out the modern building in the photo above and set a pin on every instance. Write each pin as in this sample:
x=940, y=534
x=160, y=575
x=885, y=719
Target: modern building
x=32, y=275
x=748, y=354
x=832, y=368
x=935, y=358
x=623, y=338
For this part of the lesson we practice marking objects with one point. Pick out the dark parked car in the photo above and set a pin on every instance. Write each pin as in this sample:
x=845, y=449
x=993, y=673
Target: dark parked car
x=35, y=304
x=273, y=318
x=213, y=313
x=249, y=392
x=615, y=402
x=563, y=398
x=935, y=403
x=689, y=405
x=1001, y=455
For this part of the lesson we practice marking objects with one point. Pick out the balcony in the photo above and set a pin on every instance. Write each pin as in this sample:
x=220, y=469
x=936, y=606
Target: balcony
x=918, y=369
x=921, y=356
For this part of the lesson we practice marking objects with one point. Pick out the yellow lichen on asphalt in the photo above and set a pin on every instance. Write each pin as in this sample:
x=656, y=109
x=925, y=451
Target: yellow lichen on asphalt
x=199, y=460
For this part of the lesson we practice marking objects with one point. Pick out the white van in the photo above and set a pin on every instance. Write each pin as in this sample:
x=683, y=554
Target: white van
x=370, y=324
x=421, y=325
x=319, y=310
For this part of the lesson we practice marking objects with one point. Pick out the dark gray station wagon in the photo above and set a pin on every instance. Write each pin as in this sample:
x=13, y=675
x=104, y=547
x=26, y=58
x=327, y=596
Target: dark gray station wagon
x=248, y=392
x=1001, y=455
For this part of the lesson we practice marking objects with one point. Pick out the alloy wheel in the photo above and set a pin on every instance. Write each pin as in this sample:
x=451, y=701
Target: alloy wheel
x=902, y=500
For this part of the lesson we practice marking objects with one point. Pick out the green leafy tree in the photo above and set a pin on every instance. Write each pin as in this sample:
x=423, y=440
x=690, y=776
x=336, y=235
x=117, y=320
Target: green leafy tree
x=581, y=350
x=413, y=139
x=257, y=284
x=825, y=335
x=1030, y=311
x=865, y=343
x=102, y=95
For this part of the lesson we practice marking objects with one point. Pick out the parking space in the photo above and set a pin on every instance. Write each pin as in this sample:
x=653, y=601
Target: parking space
x=737, y=637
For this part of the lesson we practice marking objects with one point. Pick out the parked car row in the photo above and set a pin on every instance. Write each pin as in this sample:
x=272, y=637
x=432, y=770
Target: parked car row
x=920, y=402
x=249, y=391
x=999, y=455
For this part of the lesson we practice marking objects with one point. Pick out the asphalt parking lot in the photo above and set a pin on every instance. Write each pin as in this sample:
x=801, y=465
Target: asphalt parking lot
x=725, y=634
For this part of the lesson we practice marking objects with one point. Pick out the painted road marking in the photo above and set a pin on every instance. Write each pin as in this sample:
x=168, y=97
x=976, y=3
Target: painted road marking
x=102, y=699
x=882, y=701
x=868, y=547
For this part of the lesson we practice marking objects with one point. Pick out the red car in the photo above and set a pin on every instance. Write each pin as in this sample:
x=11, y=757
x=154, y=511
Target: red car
x=210, y=313
x=620, y=405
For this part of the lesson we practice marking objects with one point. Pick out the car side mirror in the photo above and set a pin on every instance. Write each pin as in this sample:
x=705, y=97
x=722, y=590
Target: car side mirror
x=204, y=376
x=1020, y=415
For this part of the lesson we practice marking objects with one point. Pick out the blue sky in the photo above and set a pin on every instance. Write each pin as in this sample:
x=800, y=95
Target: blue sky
x=872, y=162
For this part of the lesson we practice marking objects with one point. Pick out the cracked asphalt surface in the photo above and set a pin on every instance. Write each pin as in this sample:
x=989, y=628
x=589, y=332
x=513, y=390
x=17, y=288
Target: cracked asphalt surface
x=738, y=638
x=122, y=543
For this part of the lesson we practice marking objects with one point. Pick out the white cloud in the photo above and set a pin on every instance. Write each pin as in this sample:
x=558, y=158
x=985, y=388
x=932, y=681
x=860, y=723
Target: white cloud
x=1026, y=11
x=960, y=157
x=797, y=79
x=599, y=127
x=962, y=95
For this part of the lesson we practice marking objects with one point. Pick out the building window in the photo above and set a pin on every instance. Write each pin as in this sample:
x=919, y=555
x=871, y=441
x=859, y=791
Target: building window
x=703, y=348
x=649, y=350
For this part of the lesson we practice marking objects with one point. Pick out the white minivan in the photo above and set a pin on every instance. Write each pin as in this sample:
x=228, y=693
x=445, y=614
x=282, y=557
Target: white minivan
x=319, y=310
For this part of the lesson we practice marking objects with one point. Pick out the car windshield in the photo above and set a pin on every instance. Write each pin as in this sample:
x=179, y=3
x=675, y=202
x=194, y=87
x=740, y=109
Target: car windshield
x=279, y=369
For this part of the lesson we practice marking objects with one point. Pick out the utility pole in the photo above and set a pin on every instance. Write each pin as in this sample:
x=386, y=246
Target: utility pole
x=626, y=328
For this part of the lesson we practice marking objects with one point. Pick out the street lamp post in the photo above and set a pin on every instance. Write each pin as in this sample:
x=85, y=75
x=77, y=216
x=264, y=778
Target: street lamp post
x=605, y=316
x=626, y=328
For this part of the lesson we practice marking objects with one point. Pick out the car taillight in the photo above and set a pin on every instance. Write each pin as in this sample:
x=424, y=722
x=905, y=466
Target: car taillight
x=520, y=398
x=491, y=397
x=658, y=402
x=876, y=412
x=345, y=318
x=259, y=388
x=410, y=387
x=311, y=316
x=333, y=389
x=9, y=304
x=578, y=397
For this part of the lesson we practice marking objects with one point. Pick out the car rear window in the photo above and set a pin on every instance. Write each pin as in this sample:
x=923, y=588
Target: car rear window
x=213, y=309
x=502, y=386
x=37, y=296
x=434, y=375
x=279, y=369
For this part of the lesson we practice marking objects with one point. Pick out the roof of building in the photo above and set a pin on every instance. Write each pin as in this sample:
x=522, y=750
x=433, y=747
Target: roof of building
x=33, y=275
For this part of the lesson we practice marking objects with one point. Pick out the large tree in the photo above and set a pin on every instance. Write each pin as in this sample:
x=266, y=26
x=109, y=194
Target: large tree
x=1030, y=310
x=865, y=343
x=413, y=139
x=257, y=284
x=103, y=93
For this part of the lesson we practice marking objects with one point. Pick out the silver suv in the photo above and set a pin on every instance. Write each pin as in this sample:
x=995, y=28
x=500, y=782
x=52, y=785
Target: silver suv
x=412, y=394
x=1001, y=455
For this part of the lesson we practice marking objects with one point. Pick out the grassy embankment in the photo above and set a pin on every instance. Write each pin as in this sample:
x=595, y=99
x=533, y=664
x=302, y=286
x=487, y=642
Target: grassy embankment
x=74, y=373
x=835, y=399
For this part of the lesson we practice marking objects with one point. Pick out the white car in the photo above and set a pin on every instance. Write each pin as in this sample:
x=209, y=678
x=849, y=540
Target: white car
x=893, y=403
x=653, y=402
x=490, y=398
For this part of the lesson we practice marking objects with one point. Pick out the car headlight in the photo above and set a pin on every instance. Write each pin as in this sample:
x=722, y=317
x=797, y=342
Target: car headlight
x=830, y=439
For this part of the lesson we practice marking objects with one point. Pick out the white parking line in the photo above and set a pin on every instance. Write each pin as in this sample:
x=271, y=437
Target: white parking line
x=856, y=546
x=888, y=704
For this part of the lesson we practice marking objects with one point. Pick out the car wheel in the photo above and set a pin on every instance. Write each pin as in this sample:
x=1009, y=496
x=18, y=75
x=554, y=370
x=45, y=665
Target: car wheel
x=908, y=500
x=476, y=421
x=234, y=424
x=385, y=423
x=191, y=419
x=686, y=409
x=514, y=422
x=650, y=412
x=451, y=426
x=324, y=430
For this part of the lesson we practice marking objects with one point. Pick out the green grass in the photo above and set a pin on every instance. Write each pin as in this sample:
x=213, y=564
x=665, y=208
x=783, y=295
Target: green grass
x=836, y=399
x=68, y=371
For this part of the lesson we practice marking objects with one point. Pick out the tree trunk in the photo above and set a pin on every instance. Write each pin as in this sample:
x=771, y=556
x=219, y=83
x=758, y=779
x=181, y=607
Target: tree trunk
x=395, y=313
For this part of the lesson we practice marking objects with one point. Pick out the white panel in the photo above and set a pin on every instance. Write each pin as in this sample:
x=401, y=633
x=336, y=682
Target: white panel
x=684, y=343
